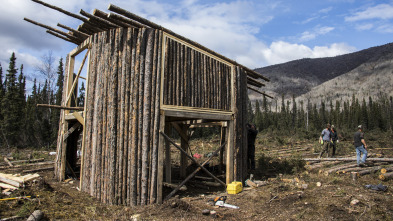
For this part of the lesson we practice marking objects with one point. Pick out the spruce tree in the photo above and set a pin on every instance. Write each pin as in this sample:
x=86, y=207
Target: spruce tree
x=58, y=99
x=294, y=112
x=250, y=113
x=2, y=90
x=81, y=97
x=31, y=115
x=10, y=108
x=258, y=116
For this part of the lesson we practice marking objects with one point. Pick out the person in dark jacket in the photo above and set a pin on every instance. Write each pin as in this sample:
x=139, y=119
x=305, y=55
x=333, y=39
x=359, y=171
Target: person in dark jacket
x=360, y=145
x=334, y=137
x=251, y=136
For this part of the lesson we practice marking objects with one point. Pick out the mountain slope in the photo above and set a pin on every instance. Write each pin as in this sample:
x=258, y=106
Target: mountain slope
x=373, y=78
x=300, y=76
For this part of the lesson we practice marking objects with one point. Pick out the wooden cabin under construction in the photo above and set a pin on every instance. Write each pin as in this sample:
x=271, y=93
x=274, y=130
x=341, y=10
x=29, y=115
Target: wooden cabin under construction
x=142, y=81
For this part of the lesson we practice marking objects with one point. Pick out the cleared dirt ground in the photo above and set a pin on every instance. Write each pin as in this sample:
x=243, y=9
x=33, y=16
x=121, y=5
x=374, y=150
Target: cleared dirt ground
x=278, y=200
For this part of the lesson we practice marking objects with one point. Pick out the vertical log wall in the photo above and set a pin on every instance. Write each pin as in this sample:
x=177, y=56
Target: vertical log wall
x=122, y=117
x=194, y=79
x=123, y=109
x=240, y=121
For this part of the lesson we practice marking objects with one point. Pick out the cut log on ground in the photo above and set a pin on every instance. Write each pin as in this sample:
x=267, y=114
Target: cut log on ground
x=387, y=169
x=386, y=176
x=337, y=168
x=206, y=183
x=355, y=169
x=26, y=161
x=316, y=166
x=349, y=159
x=39, y=169
x=27, y=165
x=174, y=186
x=368, y=171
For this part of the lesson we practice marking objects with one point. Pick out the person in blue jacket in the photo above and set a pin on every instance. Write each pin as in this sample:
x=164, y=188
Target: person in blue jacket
x=325, y=138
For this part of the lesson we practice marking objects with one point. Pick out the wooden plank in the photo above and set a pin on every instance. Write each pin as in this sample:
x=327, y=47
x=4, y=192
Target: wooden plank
x=196, y=115
x=60, y=107
x=75, y=82
x=9, y=179
x=71, y=130
x=7, y=186
x=79, y=118
x=80, y=48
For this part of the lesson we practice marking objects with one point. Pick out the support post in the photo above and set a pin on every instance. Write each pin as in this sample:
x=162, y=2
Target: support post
x=168, y=163
x=222, y=149
x=183, y=158
x=230, y=144
x=160, y=162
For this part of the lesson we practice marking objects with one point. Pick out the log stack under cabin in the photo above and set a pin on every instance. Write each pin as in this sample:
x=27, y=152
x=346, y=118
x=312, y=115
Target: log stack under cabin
x=142, y=79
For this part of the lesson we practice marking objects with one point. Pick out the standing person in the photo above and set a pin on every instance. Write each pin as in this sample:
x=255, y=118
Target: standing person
x=360, y=145
x=334, y=137
x=325, y=138
x=251, y=135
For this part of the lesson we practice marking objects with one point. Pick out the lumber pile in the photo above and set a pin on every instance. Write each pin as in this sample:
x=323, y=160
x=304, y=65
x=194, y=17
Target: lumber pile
x=10, y=182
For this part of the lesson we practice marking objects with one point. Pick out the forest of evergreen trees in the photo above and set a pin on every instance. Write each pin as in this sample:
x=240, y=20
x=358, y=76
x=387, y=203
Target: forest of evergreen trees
x=22, y=123
x=306, y=119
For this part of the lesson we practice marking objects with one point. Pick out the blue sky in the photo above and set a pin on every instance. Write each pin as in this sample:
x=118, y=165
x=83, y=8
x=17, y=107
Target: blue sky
x=255, y=33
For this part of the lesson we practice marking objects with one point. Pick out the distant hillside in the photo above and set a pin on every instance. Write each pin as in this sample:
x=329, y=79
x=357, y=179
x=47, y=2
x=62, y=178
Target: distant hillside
x=373, y=78
x=301, y=76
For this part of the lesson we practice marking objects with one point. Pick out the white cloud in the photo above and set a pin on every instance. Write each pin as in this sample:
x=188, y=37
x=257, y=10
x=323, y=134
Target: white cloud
x=325, y=10
x=364, y=27
x=385, y=28
x=229, y=28
x=381, y=11
x=281, y=51
x=317, y=31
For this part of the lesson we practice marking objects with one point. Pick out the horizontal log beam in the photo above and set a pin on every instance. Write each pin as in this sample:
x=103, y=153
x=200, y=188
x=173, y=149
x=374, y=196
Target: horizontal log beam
x=73, y=38
x=99, y=20
x=61, y=37
x=60, y=107
x=105, y=16
x=255, y=82
x=197, y=115
x=69, y=14
x=82, y=34
x=126, y=20
x=260, y=92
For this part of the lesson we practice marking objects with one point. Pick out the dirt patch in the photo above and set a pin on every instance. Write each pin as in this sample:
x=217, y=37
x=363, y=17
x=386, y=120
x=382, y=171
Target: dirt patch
x=278, y=200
